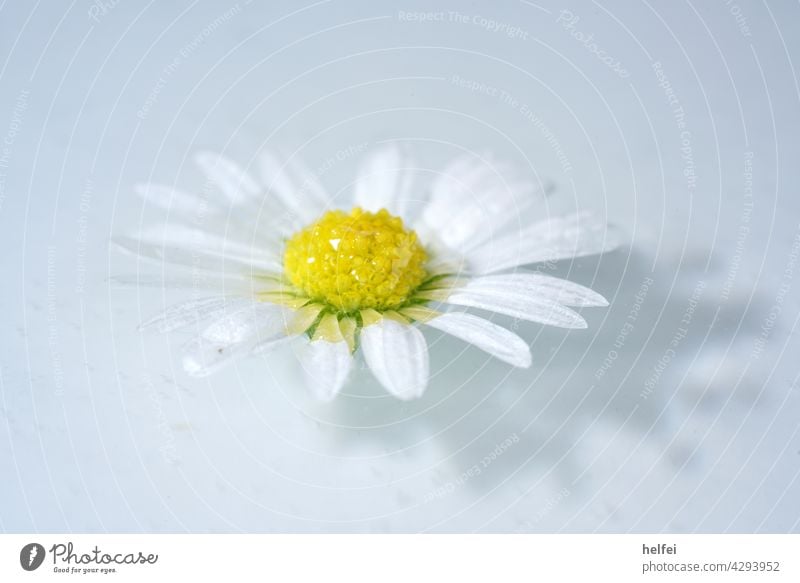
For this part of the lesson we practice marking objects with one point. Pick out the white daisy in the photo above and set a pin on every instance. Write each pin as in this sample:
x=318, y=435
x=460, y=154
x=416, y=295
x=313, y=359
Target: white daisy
x=362, y=275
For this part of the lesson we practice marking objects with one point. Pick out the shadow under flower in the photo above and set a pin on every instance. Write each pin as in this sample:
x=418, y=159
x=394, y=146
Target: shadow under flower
x=629, y=391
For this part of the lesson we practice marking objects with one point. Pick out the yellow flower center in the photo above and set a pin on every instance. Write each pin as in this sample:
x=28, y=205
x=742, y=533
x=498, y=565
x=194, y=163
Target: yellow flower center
x=356, y=260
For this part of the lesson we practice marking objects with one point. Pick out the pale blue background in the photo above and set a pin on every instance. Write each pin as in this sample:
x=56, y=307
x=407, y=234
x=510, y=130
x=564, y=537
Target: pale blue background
x=100, y=430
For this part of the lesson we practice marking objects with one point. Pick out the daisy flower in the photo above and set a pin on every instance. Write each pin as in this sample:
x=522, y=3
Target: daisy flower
x=282, y=259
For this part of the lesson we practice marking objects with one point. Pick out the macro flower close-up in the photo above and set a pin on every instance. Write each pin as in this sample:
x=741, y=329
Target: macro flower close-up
x=279, y=260
x=291, y=271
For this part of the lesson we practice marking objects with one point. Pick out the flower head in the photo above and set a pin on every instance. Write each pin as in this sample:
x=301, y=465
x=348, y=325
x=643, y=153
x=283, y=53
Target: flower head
x=356, y=260
x=362, y=276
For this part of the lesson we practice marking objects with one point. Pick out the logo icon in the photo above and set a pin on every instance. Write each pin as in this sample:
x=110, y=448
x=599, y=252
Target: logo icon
x=31, y=556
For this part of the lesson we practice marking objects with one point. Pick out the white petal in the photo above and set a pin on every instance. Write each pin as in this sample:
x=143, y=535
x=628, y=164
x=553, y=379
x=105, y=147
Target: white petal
x=234, y=182
x=272, y=344
x=397, y=355
x=205, y=281
x=550, y=240
x=254, y=321
x=487, y=336
x=295, y=187
x=225, y=263
x=188, y=313
x=203, y=357
x=232, y=336
x=326, y=366
x=473, y=199
x=309, y=184
x=263, y=224
x=177, y=202
x=524, y=307
x=384, y=181
x=275, y=177
x=564, y=292
x=232, y=244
